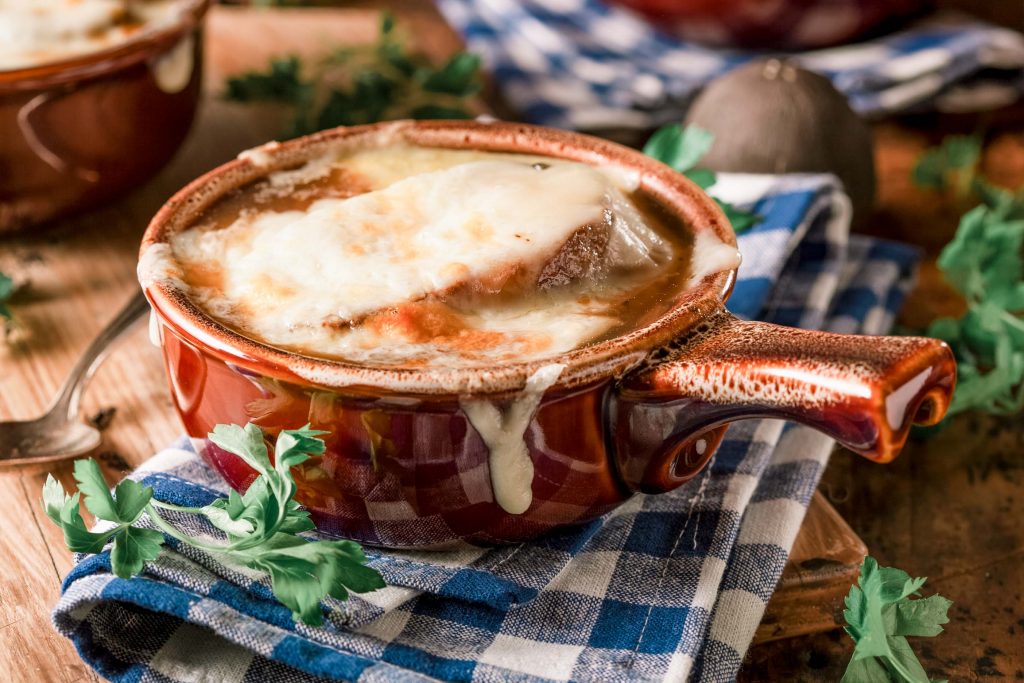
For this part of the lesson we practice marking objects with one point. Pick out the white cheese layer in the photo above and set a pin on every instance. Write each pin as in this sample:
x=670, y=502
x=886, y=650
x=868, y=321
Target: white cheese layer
x=34, y=32
x=409, y=256
x=282, y=275
x=524, y=332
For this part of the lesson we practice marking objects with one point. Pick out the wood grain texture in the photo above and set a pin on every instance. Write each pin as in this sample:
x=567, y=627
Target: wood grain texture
x=950, y=507
x=824, y=561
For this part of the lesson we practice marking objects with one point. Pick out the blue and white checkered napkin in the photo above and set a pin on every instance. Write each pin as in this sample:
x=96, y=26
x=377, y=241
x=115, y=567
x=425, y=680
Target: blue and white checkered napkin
x=583, y=64
x=664, y=588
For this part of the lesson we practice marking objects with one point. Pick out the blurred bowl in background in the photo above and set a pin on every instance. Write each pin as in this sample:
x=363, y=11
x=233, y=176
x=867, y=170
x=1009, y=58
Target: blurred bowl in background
x=77, y=132
x=779, y=24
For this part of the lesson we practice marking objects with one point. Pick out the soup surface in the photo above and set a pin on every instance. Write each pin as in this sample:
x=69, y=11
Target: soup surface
x=413, y=256
x=34, y=32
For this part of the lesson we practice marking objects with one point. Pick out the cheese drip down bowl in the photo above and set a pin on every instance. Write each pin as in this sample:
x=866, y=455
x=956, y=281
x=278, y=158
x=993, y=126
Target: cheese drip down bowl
x=425, y=451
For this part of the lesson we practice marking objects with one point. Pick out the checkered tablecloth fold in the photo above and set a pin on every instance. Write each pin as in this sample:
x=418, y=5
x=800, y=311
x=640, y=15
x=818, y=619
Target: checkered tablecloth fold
x=588, y=65
x=666, y=587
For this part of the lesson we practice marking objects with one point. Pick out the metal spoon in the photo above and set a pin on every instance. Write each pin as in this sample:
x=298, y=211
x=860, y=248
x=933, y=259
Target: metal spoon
x=59, y=434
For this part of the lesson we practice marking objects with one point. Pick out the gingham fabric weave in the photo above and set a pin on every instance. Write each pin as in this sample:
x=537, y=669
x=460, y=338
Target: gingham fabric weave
x=664, y=588
x=586, y=65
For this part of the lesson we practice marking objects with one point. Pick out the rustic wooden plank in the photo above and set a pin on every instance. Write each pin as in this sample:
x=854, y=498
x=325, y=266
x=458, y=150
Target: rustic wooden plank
x=949, y=507
x=824, y=561
x=30, y=650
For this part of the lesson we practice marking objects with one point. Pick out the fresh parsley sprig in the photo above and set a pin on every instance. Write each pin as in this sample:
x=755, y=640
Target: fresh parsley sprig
x=361, y=85
x=985, y=263
x=881, y=611
x=6, y=291
x=952, y=164
x=260, y=527
x=681, y=147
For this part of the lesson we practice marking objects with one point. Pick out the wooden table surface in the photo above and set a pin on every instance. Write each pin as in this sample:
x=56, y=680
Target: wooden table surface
x=949, y=508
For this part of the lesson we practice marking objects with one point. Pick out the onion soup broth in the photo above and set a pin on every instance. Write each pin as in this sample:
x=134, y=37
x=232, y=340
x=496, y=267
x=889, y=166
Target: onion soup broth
x=413, y=256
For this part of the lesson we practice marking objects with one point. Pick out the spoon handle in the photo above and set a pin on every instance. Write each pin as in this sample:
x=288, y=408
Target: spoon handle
x=69, y=398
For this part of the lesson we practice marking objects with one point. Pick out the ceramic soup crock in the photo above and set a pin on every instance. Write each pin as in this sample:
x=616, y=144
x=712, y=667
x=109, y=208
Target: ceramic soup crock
x=643, y=412
x=77, y=132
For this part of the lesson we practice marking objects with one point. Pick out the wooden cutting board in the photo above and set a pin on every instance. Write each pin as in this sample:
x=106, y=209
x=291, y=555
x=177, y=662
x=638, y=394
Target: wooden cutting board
x=78, y=275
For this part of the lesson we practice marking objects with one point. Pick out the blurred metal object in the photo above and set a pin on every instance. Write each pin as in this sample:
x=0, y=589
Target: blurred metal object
x=59, y=434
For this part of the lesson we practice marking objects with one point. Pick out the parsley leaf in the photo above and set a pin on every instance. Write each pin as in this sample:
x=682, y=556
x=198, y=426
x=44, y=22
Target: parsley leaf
x=984, y=262
x=361, y=85
x=259, y=526
x=93, y=487
x=953, y=163
x=303, y=573
x=77, y=537
x=281, y=83
x=681, y=147
x=881, y=611
x=6, y=291
x=459, y=76
x=133, y=546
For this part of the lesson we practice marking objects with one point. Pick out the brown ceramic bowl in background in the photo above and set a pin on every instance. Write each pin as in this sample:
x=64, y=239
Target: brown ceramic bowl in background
x=77, y=132
x=642, y=412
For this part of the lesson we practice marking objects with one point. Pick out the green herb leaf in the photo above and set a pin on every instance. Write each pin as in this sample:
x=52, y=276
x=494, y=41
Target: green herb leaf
x=678, y=146
x=296, y=446
x=681, y=148
x=6, y=291
x=132, y=547
x=260, y=525
x=459, y=76
x=702, y=177
x=130, y=499
x=740, y=219
x=245, y=442
x=93, y=488
x=880, y=612
x=76, y=536
x=303, y=573
x=54, y=498
x=363, y=85
x=221, y=517
x=953, y=163
x=984, y=262
x=281, y=83
x=922, y=617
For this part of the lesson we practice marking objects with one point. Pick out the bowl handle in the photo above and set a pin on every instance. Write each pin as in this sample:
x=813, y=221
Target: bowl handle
x=863, y=391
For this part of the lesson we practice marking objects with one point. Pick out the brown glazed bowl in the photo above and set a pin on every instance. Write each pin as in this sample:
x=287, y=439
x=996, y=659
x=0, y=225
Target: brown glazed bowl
x=77, y=132
x=642, y=412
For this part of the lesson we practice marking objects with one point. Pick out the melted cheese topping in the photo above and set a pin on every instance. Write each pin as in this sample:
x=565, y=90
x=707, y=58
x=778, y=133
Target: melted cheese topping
x=406, y=256
x=34, y=32
x=420, y=235
x=504, y=432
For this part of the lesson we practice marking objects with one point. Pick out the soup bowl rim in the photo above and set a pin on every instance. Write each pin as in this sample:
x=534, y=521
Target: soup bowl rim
x=583, y=366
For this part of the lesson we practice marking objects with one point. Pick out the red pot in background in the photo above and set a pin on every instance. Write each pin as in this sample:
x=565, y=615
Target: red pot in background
x=78, y=132
x=780, y=24
x=407, y=463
